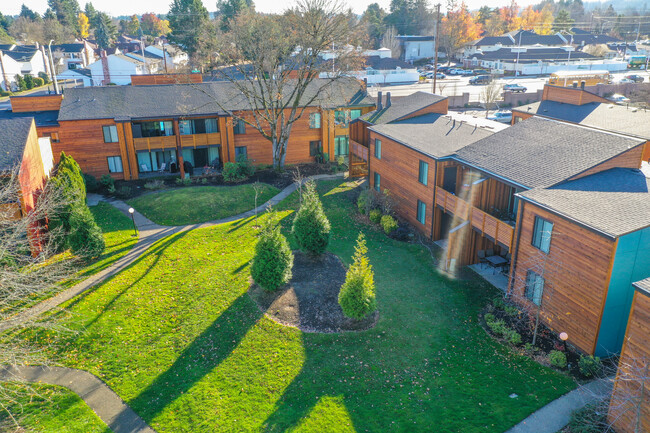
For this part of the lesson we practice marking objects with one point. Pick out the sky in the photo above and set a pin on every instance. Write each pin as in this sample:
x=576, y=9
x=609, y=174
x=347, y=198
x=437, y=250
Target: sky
x=129, y=7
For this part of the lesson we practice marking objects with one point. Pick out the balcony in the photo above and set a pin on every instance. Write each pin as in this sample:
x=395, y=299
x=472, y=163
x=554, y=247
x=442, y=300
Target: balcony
x=358, y=159
x=208, y=139
x=483, y=222
x=148, y=143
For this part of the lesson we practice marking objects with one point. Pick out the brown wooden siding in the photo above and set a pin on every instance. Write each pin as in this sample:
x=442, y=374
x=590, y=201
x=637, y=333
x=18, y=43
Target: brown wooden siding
x=570, y=95
x=399, y=168
x=154, y=79
x=628, y=159
x=440, y=107
x=21, y=104
x=84, y=140
x=32, y=175
x=576, y=275
x=627, y=403
x=520, y=115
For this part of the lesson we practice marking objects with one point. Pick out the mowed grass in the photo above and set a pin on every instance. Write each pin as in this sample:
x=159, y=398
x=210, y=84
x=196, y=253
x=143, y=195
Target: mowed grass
x=51, y=409
x=199, y=204
x=177, y=336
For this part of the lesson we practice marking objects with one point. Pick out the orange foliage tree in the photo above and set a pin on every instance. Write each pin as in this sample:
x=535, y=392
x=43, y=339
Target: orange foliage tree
x=458, y=29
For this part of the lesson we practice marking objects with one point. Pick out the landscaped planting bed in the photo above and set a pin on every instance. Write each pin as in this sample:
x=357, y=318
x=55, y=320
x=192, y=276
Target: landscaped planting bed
x=197, y=204
x=178, y=337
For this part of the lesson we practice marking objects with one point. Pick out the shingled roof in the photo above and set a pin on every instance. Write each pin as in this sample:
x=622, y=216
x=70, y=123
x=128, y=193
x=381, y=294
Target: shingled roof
x=401, y=107
x=542, y=152
x=13, y=138
x=614, y=202
x=609, y=117
x=127, y=102
x=533, y=54
x=438, y=135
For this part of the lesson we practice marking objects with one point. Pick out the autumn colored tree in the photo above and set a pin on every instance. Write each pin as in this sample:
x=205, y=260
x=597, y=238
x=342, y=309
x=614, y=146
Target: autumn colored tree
x=132, y=26
x=153, y=26
x=83, y=24
x=458, y=28
x=510, y=17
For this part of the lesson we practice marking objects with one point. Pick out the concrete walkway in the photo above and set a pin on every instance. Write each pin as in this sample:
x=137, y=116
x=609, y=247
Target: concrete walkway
x=108, y=406
x=556, y=415
x=99, y=397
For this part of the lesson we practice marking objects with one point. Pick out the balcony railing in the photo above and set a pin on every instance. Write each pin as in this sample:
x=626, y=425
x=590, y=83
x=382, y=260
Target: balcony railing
x=148, y=143
x=211, y=138
x=485, y=223
x=359, y=150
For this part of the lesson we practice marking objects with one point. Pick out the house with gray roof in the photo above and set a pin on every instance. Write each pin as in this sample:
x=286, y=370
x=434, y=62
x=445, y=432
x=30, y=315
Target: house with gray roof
x=118, y=68
x=595, y=233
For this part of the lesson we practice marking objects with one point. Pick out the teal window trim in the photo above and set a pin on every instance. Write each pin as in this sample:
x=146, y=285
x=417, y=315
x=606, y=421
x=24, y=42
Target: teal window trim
x=423, y=174
x=542, y=232
x=422, y=212
x=377, y=182
x=377, y=148
x=534, y=287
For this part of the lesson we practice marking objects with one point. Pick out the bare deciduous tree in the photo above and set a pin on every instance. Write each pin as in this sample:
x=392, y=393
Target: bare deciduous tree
x=389, y=40
x=489, y=95
x=276, y=65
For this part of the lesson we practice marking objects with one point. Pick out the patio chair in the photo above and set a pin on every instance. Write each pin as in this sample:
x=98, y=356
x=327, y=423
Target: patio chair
x=489, y=253
x=481, y=258
x=144, y=168
x=163, y=166
x=503, y=253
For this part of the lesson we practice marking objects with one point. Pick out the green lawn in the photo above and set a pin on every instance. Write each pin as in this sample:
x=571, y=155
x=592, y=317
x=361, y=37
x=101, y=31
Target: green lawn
x=53, y=409
x=177, y=336
x=199, y=204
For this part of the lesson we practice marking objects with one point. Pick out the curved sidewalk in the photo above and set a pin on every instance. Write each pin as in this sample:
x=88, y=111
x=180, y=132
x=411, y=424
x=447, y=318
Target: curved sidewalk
x=108, y=406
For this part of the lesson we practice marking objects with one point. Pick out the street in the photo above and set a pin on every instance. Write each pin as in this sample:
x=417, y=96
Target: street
x=455, y=85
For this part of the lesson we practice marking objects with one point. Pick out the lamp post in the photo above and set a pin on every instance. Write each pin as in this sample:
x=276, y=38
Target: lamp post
x=52, y=71
x=564, y=337
x=135, y=229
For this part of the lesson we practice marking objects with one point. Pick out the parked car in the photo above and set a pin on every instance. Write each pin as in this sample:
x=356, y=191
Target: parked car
x=501, y=116
x=619, y=99
x=444, y=69
x=481, y=72
x=625, y=81
x=635, y=78
x=514, y=88
x=481, y=79
x=456, y=71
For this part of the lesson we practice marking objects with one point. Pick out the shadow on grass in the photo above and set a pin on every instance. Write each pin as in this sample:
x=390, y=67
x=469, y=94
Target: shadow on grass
x=240, y=224
x=198, y=359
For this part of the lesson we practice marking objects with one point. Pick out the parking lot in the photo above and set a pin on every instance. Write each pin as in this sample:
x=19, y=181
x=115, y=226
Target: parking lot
x=457, y=85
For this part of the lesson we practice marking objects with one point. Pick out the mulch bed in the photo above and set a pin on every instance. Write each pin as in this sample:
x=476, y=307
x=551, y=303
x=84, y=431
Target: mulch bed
x=309, y=301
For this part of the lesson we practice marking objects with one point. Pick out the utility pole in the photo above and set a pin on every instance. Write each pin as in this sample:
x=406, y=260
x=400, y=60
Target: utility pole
x=435, y=49
x=52, y=71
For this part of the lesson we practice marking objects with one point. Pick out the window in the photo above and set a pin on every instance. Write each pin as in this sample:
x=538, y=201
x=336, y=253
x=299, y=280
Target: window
x=110, y=134
x=377, y=148
x=542, y=234
x=354, y=114
x=377, y=181
x=341, y=117
x=240, y=152
x=422, y=212
x=211, y=125
x=54, y=137
x=341, y=145
x=154, y=129
x=534, y=287
x=115, y=164
x=239, y=127
x=423, y=175
x=314, y=120
x=314, y=148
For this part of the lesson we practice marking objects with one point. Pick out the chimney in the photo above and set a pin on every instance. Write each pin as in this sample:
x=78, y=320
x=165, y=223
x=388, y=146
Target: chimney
x=379, y=101
x=583, y=84
x=365, y=85
x=387, y=99
x=105, y=69
x=575, y=84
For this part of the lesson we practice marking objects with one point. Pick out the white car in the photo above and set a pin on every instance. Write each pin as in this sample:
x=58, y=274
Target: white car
x=501, y=116
x=619, y=99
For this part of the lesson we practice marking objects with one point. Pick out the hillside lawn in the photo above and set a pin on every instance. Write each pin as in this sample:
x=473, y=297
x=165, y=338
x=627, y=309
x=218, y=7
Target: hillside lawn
x=177, y=336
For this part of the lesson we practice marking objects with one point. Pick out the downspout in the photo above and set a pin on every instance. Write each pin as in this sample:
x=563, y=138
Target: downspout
x=435, y=184
x=515, y=256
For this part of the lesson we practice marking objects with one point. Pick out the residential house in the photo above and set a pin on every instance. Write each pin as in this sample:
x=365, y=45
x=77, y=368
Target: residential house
x=629, y=407
x=21, y=149
x=416, y=47
x=117, y=69
x=129, y=131
x=32, y=61
x=82, y=75
x=72, y=56
x=520, y=38
x=9, y=68
x=581, y=245
x=172, y=55
x=386, y=70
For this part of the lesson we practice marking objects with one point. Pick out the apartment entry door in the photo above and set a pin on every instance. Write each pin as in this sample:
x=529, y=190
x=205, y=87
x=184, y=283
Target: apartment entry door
x=201, y=157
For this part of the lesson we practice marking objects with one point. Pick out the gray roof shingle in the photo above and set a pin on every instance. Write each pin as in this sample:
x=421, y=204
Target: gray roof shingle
x=401, y=107
x=533, y=54
x=614, y=202
x=436, y=135
x=171, y=100
x=13, y=138
x=609, y=117
x=542, y=152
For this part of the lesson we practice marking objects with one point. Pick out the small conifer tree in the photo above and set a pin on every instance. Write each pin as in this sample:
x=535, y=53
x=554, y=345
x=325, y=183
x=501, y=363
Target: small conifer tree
x=357, y=295
x=273, y=259
x=311, y=227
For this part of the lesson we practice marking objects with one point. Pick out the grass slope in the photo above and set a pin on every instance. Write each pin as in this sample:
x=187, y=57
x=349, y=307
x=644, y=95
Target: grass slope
x=177, y=336
x=200, y=203
x=53, y=409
